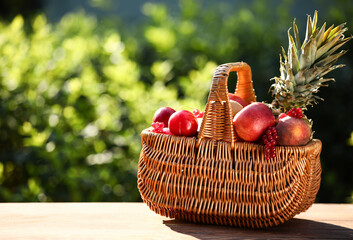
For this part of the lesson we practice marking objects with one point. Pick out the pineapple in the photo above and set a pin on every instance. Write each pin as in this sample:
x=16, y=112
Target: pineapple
x=305, y=65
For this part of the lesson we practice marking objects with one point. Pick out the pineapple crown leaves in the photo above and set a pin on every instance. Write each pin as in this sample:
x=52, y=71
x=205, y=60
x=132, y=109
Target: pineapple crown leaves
x=303, y=66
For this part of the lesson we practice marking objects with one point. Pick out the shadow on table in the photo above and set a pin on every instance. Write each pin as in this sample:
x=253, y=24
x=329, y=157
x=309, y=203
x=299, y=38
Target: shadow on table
x=293, y=229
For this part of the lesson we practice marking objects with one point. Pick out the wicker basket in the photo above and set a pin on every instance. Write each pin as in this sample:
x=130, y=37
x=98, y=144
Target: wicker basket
x=212, y=178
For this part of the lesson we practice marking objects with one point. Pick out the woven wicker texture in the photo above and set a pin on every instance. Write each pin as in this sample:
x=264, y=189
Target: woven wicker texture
x=214, y=179
x=217, y=123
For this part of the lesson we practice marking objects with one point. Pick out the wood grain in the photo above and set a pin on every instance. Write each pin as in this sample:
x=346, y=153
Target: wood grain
x=136, y=221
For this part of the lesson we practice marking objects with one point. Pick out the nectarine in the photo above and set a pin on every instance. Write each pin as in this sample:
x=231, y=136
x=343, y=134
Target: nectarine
x=292, y=131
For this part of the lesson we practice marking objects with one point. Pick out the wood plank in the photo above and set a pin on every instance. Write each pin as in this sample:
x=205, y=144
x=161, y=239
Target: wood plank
x=136, y=221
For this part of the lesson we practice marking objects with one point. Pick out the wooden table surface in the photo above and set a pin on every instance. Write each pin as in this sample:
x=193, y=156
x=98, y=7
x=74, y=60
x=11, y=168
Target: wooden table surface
x=135, y=221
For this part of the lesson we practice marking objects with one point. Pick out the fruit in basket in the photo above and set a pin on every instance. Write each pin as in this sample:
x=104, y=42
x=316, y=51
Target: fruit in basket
x=270, y=141
x=238, y=99
x=157, y=127
x=162, y=115
x=199, y=117
x=166, y=131
x=293, y=131
x=197, y=113
x=305, y=65
x=183, y=123
x=251, y=122
x=235, y=107
x=294, y=112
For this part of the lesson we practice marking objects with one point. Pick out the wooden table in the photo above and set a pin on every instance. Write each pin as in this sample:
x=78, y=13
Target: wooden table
x=135, y=221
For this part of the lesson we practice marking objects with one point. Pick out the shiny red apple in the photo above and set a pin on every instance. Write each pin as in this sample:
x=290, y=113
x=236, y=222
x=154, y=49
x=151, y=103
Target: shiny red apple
x=252, y=121
x=234, y=97
x=183, y=123
x=162, y=115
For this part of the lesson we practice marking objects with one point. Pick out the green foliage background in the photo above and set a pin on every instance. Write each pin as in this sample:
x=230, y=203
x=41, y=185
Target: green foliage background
x=75, y=95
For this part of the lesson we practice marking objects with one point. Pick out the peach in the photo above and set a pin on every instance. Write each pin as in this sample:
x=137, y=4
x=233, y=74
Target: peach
x=293, y=131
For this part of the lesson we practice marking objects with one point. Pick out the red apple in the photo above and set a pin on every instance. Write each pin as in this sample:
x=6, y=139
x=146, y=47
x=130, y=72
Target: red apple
x=234, y=97
x=183, y=123
x=292, y=131
x=162, y=115
x=251, y=122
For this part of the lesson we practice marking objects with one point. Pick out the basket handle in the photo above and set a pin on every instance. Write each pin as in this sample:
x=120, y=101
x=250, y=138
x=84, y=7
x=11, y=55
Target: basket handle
x=217, y=121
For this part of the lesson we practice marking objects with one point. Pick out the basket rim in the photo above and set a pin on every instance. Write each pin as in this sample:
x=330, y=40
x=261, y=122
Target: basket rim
x=312, y=143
